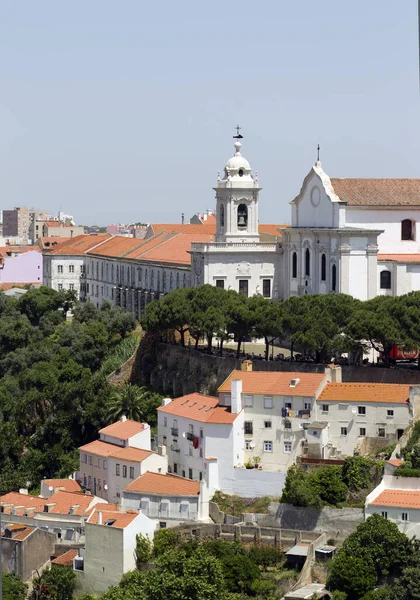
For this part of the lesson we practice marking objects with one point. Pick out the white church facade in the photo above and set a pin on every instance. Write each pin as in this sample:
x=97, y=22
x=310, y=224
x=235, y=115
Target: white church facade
x=353, y=236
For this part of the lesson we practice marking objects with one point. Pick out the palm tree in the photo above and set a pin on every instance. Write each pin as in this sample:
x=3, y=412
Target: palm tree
x=127, y=400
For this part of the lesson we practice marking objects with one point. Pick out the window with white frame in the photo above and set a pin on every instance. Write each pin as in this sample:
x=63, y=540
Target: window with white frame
x=288, y=405
x=361, y=411
x=71, y=268
x=384, y=514
x=404, y=516
x=117, y=469
x=381, y=432
x=59, y=268
x=344, y=431
x=325, y=408
x=288, y=447
x=389, y=413
x=248, y=401
x=268, y=446
x=124, y=470
x=268, y=401
x=71, y=287
x=165, y=421
x=131, y=472
x=287, y=424
x=60, y=287
x=90, y=459
x=307, y=406
x=248, y=445
x=362, y=432
x=267, y=424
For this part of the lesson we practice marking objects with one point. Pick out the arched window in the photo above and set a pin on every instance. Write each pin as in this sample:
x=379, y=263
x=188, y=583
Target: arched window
x=242, y=216
x=307, y=262
x=407, y=229
x=323, y=268
x=294, y=265
x=385, y=280
x=177, y=281
x=222, y=215
x=334, y=278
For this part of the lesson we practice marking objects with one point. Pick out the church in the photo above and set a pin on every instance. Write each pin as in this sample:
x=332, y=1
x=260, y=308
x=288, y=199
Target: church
x=350, y=236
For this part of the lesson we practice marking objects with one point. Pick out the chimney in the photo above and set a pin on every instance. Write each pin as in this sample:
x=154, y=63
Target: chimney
x=236, y=396
x=123, y=418
x=335, y=373
x=166, y=401
x=182, y=218
x=99, y=517
x=246, y=365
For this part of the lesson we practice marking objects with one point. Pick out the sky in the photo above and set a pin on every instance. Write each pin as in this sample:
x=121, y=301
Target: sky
x=125, y=111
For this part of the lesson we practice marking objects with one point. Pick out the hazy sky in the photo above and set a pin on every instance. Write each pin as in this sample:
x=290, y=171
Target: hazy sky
x=124, y=110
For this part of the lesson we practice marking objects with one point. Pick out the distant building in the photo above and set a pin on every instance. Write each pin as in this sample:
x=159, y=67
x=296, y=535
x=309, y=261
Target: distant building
x=25, y=549
x=16, y=222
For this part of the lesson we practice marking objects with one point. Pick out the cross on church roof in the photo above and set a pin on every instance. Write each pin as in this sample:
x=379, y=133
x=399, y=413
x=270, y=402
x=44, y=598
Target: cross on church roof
x=318, y=149
x=238, y=136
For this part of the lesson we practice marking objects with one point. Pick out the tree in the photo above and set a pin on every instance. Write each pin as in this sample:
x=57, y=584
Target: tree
x=329, y=484
x=127, y=400
x=13, y=587
x=351, y=575
x=267, y=320
x=298, y=491
x=38, y=302
x=238, y=317
x=57, y=583
x=240, y=573
x=415, y=457
x=357, y=472
x=164, y=540
x=143, y=549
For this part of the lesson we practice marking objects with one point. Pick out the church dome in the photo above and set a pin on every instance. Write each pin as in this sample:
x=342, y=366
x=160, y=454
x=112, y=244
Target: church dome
x=237, y=163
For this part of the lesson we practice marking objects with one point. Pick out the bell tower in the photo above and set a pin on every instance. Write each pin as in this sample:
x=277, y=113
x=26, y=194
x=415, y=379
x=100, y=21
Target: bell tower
x=237, y=201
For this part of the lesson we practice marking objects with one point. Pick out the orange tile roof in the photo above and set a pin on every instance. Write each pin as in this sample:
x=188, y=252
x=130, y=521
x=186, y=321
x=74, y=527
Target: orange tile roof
x=275, y=383
x=401, y=258
x=9, y=285
x=164, y=485
x=394, y=393
x=378, y=192
x=121, y=519
x=123, y=429
x=66, y=559
x=271, y=229
x=44, y=242
x=14, y=499
x=64, y=501
x=79, y=245
x=177, y=248
x=132, y=454
x=199, y=407
x=179, y=228
x=99, y=448
x=402, y=498
x=395, y=462
x=102, y=506
x=69, y=485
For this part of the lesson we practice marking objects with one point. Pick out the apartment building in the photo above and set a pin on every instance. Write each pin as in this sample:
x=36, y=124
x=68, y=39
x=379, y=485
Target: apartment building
x=122, y=454
x=194, y=429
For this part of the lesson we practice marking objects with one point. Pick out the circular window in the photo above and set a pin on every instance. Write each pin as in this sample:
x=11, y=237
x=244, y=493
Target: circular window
x=315, y=196
x=240, y=173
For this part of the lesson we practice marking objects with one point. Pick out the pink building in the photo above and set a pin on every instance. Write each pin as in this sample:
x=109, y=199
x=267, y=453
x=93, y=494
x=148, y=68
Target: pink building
x=25, y=267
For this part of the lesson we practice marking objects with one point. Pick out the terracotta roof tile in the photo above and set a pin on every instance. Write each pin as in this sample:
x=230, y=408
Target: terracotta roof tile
x=199, y=407
x=132, y=454
x=402, y=498
x=10, y=286
x=99, y=448
x=63, y=501
x=395, y=462
x=66, y=559
x=36, y=503
x=68, y=485
x=179, y=228
x=401, y=258
x=271, y=229
x=120, y=519
x=275, y=383
x=79, y=245
x=123, y=429
x=394, y=393
x=378, y=192
x=164, y=485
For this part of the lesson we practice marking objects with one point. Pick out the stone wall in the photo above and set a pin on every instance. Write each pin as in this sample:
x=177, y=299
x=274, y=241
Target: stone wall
x=177, y=371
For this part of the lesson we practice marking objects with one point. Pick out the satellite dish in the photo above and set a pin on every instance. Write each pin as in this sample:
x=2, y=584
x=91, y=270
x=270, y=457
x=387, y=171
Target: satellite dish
x=50, y=488
x=184, y=435
x=354, y=411
x=106, y=486
x=252, y=445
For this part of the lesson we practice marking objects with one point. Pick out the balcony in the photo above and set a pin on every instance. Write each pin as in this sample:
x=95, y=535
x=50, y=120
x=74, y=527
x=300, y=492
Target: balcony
x=189, y=436
x=174, y=431
x=290, y=413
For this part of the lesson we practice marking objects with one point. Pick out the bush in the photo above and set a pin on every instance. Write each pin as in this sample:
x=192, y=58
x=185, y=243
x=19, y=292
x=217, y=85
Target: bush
x=143, y=549
x=357, y=472
x=266, y=556
x=164, y=540
x=406, y=471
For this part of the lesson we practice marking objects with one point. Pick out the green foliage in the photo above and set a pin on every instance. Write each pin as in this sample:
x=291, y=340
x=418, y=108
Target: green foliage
x=164, y=540
x=240, y=573
x=13, y=587
x=236, y=505
x=57, y=583
x=415, y=457
x=132, y=401
x=357, y=472
x=143, y=549
x=266, y=556
x=120, y=354
x=406, y=471
x=337, y=595
x=413, y=441
x=352, y=575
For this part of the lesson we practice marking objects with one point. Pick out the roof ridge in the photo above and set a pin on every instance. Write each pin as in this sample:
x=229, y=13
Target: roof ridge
x=168, y=236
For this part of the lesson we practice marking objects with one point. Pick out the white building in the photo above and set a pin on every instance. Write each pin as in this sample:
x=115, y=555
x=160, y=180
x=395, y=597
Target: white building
x=397, y=499
x=169, y=498
x=120, y=455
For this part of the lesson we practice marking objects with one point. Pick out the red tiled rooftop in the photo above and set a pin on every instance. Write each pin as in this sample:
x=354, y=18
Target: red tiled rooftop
x=61, y=503
x=66, y=559
x=400, y=258
x=275, y=383
x=400, y=498
x=394, y=393
x=378, y=192
x=68, y=485
x=80, y=244
x=130, y=453
x=395, y=462
x=121, y=519
x=123, y=429
x=199, y=407
x=99, y=448
x=164, y=485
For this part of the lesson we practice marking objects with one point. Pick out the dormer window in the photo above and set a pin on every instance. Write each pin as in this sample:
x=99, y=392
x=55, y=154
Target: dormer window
x=242, y=216
x=241, y=173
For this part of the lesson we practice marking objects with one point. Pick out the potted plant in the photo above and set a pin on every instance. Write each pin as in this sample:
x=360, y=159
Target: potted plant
x=257, y=461
x=249, y=465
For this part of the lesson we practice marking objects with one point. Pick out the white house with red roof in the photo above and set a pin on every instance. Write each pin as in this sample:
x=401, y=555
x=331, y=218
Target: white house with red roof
x=397, y=499
x=121, y=454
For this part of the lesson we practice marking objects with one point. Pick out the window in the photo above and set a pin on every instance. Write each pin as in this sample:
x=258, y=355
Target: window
x=242, y=216
x=243, y=287
x=381, y=432
x=201, y=452
x=131, y=472
x=334, y=278
x=404, y=516
x=267, y=424
x=268, y=446
x=268, y=401
x=389, y=413
x=222, y=215
x=71, y=268
x=117, y=469
x=267, y=288
x=287, y=424
x=165, y=421
x=164, y=440
x=82, y=269
x=288, y=405
x=288, y=447
x=362, y=432
x=190, y=474
x=407, y=230
x=248, y=401
x=307, y=262
x=59, y=268
x=294, y=265
x=307, y=406
x=248, y=427
x=175, y=467
x=191, y=428
x=201, y=433
x=99, y=463
x=385, y=280
x=325, y=408
x=200, y=476
x=60, y=287
x=384, y=514
x=344, y=431
x=71, y=286
x=361, y=410
x=124, y=471
x=249, y=445
x=323, y=267
x=105, y=466
x=220, y=283
x=90, y=459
